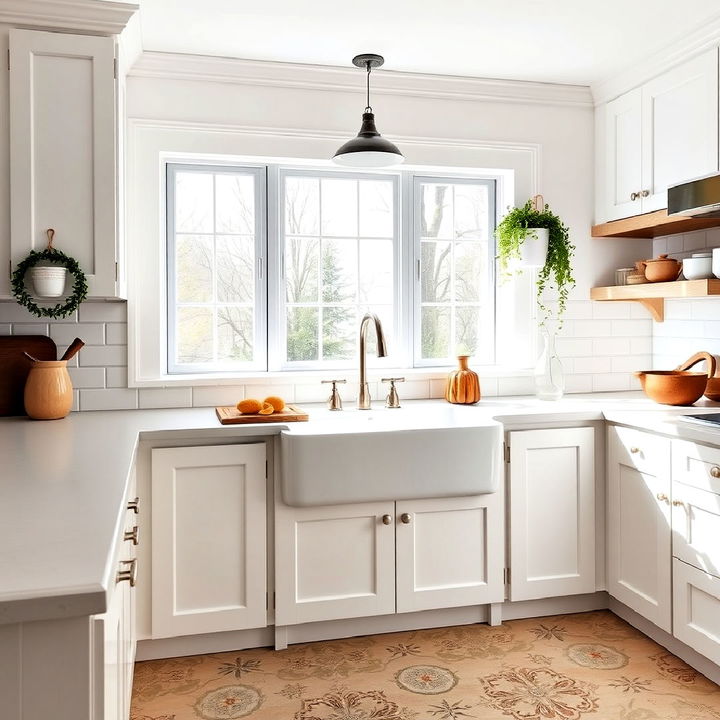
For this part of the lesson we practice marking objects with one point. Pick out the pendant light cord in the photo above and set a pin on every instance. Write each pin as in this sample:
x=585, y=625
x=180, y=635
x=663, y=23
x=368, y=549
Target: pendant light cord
x=367, y=105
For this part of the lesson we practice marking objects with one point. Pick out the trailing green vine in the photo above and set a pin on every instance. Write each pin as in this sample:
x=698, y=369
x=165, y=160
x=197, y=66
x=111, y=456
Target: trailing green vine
x=61, y=310
x=512, y=232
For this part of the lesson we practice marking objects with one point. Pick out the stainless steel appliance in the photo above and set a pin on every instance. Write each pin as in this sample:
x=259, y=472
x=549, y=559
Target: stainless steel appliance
x=697, y=198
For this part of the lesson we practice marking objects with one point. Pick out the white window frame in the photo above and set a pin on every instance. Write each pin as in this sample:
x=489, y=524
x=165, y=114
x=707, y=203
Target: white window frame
x=276, y=199
x=417, y=179
x=260, y=317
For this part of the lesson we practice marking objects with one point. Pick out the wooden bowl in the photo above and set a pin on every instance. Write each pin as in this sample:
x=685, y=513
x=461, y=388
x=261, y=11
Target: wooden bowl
x=712, y=390
x=678, y=387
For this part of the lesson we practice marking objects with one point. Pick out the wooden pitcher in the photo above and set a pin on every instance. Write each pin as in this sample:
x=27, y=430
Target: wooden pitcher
x=48, y=390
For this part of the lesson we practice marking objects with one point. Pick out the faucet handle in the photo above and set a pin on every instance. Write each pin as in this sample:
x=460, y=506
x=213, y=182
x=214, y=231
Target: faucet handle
x=393, y=400
x=334, y=401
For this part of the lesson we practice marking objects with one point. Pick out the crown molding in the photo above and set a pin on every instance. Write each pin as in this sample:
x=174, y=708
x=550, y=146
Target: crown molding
x=704, y=38
x=203, y=68
x=104, y=18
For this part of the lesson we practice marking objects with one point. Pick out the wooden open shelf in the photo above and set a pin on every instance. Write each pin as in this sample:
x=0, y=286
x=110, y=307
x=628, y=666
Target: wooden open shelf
x=652, y=295
x=652, y=225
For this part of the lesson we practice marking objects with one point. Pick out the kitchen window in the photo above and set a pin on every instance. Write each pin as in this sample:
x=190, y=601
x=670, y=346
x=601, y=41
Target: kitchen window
x=271, y=268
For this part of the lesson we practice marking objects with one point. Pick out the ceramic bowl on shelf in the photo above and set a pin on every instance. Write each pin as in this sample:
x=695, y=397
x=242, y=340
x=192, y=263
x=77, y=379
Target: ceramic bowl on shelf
x=49, y=282
x=698, y=267
x=716, y=262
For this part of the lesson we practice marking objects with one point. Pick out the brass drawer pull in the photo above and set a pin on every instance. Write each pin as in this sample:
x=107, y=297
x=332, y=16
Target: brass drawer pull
x=129, y=574
x=663, y=497
x=634, y=450
x=678, y=503
x=715, y=471
x=134, y=505
x=387, y=519
x=132, y=535
x=405, y=518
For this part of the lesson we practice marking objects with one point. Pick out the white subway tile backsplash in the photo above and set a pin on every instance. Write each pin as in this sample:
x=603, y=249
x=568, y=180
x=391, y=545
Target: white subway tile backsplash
x=574, y=347
x=93, y=377
x=588, y=328
x=212, y=396
x=631, y=363
x=611, y=346
x=103, y=312
x=89, y=333
x=516, y=386
x=5, y=329
x=578, y=383
x=116, y=377
x=675, y=244
x=488, y=387
x=109, y=399
x=263, y=389
x=30, y=328
x=11, y=312
x=409, y=390
x=102, y=355
x=612, y=310
x=641, y=346
x=708, y=309
x=591, y=365
x=116, y=334
x=631, y=328
x=694, y=241
x=610, y=382
x=164, y=397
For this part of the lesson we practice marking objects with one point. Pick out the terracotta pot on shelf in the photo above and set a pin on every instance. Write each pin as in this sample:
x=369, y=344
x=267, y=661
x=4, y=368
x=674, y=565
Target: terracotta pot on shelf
x=48, y=390
x=661, y=269
x=678, y=387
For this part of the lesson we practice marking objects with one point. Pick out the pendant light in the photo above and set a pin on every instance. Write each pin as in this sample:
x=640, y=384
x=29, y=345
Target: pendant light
x=369, y=149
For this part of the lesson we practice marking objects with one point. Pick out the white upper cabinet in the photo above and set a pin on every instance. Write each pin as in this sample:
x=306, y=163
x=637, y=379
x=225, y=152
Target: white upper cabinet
x=63, y=160
x=552, y=512
x=658, y=135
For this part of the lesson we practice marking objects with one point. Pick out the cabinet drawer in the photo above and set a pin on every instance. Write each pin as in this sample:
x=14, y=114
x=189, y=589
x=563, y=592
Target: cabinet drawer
x=696, y=609
x=646, y=452
x=696, y=465
x=696, y=527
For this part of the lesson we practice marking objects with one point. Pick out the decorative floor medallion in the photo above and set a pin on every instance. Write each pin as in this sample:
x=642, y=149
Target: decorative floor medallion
x=590, y=666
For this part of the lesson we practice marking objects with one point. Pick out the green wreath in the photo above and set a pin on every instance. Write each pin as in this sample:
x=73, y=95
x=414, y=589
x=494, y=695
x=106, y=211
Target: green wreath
x=61, y=310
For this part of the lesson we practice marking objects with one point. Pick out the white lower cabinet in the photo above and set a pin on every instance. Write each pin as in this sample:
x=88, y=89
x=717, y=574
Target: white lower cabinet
x=638, y=532
x=209, y=561
x=696, y=609
x=552, y=512
x=449, y=552
x=380, y=558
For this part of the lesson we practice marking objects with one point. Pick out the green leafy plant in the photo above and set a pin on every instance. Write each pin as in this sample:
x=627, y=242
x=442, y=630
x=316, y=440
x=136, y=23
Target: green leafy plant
x=512, y=232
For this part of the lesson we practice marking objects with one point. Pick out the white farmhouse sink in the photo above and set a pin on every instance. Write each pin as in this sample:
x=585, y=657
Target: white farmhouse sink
x=353, y=457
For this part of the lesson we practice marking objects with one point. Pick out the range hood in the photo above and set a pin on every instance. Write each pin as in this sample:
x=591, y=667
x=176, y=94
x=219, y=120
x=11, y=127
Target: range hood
x=697, y=198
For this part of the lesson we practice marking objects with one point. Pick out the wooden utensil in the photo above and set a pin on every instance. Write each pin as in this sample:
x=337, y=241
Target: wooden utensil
x=232, y=416
x=14, y=367
x=72, y=349
x=678, y=387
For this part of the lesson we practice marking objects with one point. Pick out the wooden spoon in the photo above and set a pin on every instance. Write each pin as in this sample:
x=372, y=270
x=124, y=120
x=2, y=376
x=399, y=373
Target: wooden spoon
x=73, y=348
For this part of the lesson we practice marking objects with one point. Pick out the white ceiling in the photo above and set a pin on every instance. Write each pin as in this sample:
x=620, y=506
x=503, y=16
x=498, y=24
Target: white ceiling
x=566, y=41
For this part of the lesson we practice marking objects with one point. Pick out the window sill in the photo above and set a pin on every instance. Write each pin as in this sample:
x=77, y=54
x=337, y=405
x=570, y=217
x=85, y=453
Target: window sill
x=311, y=377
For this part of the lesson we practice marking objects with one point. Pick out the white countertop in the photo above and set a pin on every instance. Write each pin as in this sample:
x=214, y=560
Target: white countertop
x=62, y=482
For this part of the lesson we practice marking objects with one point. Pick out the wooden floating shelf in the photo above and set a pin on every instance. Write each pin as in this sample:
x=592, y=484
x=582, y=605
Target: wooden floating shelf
x=652, y=225
x=653, y=295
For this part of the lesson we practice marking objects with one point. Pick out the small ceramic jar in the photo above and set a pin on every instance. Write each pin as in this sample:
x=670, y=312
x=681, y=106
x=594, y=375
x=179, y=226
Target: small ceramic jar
x=662, y=269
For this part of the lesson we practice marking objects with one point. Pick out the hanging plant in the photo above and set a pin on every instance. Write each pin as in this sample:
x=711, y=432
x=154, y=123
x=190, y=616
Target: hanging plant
x=519, y=226
x=57, y=258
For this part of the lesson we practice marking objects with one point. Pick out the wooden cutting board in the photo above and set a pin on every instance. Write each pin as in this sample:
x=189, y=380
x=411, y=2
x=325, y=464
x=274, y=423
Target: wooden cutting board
x=14, y=367
x=232, y=416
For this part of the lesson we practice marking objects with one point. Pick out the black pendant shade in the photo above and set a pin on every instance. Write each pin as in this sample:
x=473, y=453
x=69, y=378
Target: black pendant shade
x=369, y=148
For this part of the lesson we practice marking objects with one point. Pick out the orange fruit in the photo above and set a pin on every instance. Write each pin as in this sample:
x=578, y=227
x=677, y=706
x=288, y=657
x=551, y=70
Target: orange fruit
x=267, y=409
x=277, y=402
x=250, y=406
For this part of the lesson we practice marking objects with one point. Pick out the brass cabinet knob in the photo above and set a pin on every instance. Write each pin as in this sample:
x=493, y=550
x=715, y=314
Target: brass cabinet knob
x=387, y=519
x=634, y=196
x=715, y=471
x=134, y=505
x=645, y=193
x=663, y=497
x=132, y=535
x=634, y=450
x=678, y=503
x=129, y=573
x=405, y=518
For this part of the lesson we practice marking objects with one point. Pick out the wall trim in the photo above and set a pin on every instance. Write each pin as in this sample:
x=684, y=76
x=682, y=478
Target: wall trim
x=694, y=43
x=105, y=18
x=203, y=68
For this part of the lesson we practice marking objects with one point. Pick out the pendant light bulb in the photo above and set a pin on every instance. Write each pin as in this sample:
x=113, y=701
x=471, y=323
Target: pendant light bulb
x=369, y=149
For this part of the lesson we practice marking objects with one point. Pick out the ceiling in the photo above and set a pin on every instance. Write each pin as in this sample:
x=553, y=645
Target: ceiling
x=565, y=41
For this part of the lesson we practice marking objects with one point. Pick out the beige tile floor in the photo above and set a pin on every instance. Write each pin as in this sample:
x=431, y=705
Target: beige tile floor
x=569, y=667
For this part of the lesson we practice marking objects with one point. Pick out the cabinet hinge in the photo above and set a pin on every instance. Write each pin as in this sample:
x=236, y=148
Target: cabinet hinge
x=116, y=272
x=10, y=269
x=506, y=576
x=506, y=448
x=8, y=58
x=266, y=469
x=115, y=68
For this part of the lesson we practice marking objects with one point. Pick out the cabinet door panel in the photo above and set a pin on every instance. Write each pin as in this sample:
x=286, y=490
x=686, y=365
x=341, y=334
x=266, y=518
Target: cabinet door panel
x=623, y=155
x=333, y=562
x=62, y=150
x=696, y=527
x=638, y=533
x=450, y=553
x=552, y=512
x=696, y=609
x=208, y=539
x=680, y=127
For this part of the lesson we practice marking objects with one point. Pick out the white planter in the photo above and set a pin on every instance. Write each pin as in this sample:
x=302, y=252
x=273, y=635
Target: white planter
x=533, y=252
x=49, y=282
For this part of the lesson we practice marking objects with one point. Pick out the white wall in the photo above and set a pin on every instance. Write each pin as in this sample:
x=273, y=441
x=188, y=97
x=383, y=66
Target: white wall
x=600, y=344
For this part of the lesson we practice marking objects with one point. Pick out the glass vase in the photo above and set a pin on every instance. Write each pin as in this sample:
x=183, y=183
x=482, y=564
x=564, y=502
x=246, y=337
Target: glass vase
x=549, y=377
